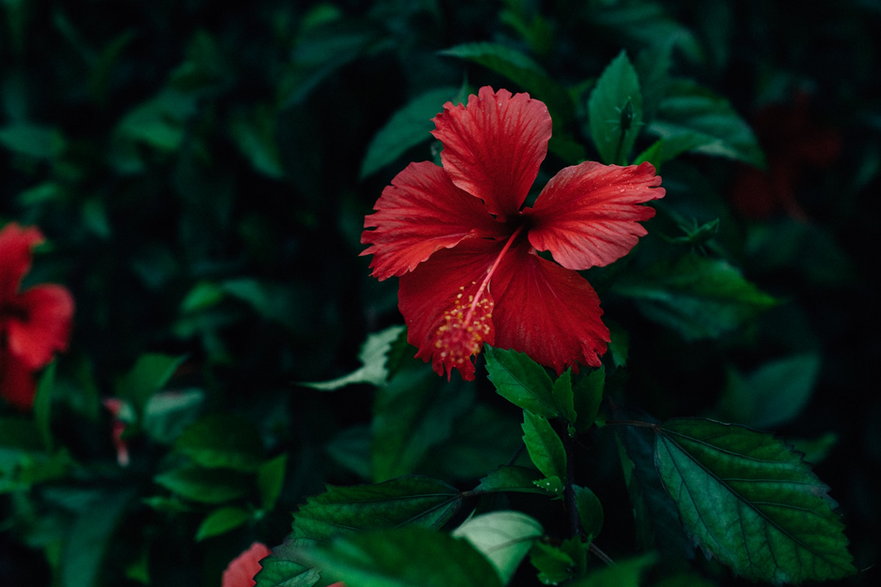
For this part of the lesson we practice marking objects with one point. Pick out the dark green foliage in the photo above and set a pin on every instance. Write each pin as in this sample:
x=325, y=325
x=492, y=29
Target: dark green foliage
x=749, y=501
x=416, y=501
x=202, y=176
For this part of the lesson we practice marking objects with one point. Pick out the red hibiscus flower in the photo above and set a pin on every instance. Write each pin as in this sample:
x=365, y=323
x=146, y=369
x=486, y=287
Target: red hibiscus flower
x=466, y=250
x=241, y=570
x=33, y=324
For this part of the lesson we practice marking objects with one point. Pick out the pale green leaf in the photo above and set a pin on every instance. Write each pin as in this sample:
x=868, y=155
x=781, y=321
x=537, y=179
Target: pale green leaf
x=503, y=537
x=373, y=356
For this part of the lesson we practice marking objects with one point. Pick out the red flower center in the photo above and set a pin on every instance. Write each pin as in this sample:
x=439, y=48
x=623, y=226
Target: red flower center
x=469, y=322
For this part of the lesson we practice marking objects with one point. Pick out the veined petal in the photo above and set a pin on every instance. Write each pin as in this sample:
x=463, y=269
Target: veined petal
x=588, y=214
x=45, y=327
x=546, y=311
x=419, y=213
x=15, y=257
x=16, y=382
x=435, y=300
x=494, y=146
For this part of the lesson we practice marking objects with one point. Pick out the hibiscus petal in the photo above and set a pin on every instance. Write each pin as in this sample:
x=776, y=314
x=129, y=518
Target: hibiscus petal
x=588, y=215
x=494, y=146
x=546, y=311
x=16, y=382
x=15, y=257
x=47, y=312
x=429, y=301
x=241, y=570
x=420, y=213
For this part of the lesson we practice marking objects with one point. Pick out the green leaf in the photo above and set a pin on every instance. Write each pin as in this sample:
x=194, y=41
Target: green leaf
x=670, y=147
x=521, y=381
x=351, y=449
x=408, y=127
x=624, y=573
x=503, y=537
x=644, y=23
x=685, y=580
x=657, y=518
x=694, y=114
x=550, y=485
x=544, y=446
x=697, y=296
x=149, y=374
x=413, y=414
x=590, y=511
x=43, y=405
x=751, y=502
x=168, y=413
x=33, y=140
x=615, y=111
x=19, y=435
x=204, y=485
x=619, y=347
x=481, y=438
x=773, y=394
x=220, y=521
x=271, y=301
x=85, y=544
x=321, y=51
x=564, y=396
x=403, y=556
x=270, y=480
x=521, y=70
x=653, y=64
x=406, y=501
x=786, y=244
x=815, y=450
x=587, y=397
x=373, y=356
x=285, y=568
x=556, y=564
x=254, y=134
x=510, y=478
x=222, y=440
x=159, y=121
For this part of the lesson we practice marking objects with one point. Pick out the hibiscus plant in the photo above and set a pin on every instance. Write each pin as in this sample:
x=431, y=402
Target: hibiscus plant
x=437, y=294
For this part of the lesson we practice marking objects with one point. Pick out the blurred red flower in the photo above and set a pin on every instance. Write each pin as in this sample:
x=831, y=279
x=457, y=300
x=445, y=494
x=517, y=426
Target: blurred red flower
x=241, y=570
x=466, y=250
x=34, y=323
x=793, y=142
